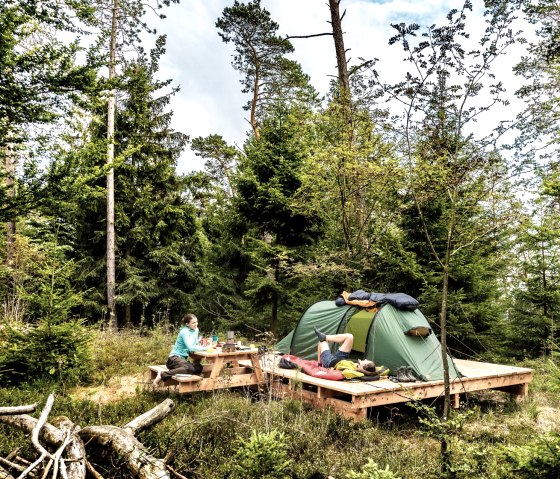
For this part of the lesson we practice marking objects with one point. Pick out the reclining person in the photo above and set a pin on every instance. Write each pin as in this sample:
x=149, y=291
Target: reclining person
x=341, y=359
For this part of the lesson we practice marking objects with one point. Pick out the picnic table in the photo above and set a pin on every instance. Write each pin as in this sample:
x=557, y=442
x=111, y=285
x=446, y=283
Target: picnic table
x=220, y=370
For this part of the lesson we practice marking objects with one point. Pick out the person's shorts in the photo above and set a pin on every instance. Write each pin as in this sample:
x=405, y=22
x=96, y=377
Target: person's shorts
x=328, y=359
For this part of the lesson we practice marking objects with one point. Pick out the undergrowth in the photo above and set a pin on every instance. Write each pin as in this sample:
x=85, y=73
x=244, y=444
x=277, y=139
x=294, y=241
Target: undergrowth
x=128, y=352
x=223, y=434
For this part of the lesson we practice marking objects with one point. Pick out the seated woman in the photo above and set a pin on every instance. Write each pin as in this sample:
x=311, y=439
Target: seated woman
x=330, y=360
x=187, y=342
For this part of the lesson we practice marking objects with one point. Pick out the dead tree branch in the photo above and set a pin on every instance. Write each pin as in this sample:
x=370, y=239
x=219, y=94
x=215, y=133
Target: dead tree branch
x=123, y=444
x=92, y=471
x=5, y=474
x=9, y=411
x=289, y=37
x=150, y=418
x=70, y=441
x=40, y=423
x=11, y=465
x=75, y=451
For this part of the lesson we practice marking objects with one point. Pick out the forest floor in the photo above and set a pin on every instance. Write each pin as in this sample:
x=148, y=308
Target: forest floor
x=209, y=433
x=116, y=389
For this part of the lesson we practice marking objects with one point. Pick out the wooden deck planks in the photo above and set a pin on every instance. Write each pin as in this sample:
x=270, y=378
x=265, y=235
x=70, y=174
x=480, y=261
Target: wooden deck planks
x=353, y=398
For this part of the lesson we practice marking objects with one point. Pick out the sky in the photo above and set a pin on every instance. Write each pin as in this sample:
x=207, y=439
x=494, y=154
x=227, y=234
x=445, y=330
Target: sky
x=210, y=99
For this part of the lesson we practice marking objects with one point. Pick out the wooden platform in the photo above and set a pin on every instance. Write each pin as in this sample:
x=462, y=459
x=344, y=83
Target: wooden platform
x=353, y=398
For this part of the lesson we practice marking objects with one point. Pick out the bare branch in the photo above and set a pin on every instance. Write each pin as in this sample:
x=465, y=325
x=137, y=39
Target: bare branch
x=11, y=465
x=290, y=37
x=175, y=473
x=93, y=472
x=33, y=465
x=37, y=429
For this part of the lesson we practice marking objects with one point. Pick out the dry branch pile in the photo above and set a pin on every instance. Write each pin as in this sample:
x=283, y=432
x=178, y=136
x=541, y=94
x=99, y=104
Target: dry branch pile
x=63, y=447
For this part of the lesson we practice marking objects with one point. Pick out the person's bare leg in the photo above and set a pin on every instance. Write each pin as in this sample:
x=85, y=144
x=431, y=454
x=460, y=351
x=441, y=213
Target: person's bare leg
x=346, y=340
x=157, y=381
x=322, y=346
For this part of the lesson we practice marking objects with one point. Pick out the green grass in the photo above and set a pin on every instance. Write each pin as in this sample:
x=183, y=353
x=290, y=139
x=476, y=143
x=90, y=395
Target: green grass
x=204, y=433
x=128, y=353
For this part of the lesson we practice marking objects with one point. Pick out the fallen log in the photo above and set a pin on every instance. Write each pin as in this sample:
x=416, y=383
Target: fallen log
x=124, y=444
x=151, y=417
x=132, y=452
x=11, y=465
x=75, y=451
x=5, y=474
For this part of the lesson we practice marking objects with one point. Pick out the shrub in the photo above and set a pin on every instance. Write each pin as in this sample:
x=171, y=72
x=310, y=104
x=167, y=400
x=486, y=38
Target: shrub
x=372, y=471
x=263, y=455
x=58, y=351
x=539, y=459
x=128, y=352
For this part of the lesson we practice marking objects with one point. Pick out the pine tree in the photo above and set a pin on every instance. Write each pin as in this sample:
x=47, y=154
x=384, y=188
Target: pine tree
x=261, y=57
x=121, y=22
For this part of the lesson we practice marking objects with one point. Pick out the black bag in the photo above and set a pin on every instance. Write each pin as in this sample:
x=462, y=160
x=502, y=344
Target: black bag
x=287, y=364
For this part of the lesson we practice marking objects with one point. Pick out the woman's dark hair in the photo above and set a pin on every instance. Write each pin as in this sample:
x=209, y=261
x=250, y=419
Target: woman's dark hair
x=369, y=366
x=187, y=318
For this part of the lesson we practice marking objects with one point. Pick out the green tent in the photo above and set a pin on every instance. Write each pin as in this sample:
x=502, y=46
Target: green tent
x=390, y=337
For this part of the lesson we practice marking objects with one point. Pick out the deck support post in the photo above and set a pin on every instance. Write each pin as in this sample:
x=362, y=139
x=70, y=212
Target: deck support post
x=455, y=399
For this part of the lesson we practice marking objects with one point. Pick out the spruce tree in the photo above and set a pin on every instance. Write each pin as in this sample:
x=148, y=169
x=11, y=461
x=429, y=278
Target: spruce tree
x=277, y=231
x=156, y=240
x=531, y=326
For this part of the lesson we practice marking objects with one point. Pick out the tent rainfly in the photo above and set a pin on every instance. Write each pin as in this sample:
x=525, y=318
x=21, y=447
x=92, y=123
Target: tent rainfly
x=390, y=337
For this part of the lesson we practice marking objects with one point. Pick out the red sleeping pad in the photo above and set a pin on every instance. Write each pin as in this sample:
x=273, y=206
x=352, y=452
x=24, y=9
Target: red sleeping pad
x=313, y=369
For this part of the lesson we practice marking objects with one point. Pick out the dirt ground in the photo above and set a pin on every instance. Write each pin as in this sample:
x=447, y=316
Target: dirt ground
x=116, y=389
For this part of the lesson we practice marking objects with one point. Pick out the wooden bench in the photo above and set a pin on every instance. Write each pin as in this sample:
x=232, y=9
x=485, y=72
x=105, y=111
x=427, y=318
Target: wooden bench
x=154, y=370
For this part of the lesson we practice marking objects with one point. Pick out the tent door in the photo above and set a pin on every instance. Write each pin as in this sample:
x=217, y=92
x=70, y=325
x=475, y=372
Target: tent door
x=359, y=325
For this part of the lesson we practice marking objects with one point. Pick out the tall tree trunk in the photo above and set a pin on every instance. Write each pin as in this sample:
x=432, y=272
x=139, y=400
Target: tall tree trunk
x=544, y=285
x=338, y=37
x=10, y=166
x=444, y=447
x=255, y=99
x=357, y=215
x=443, y=325
x=127, y=321
x=12, y=300
x=274, y=315
x=111, y=302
